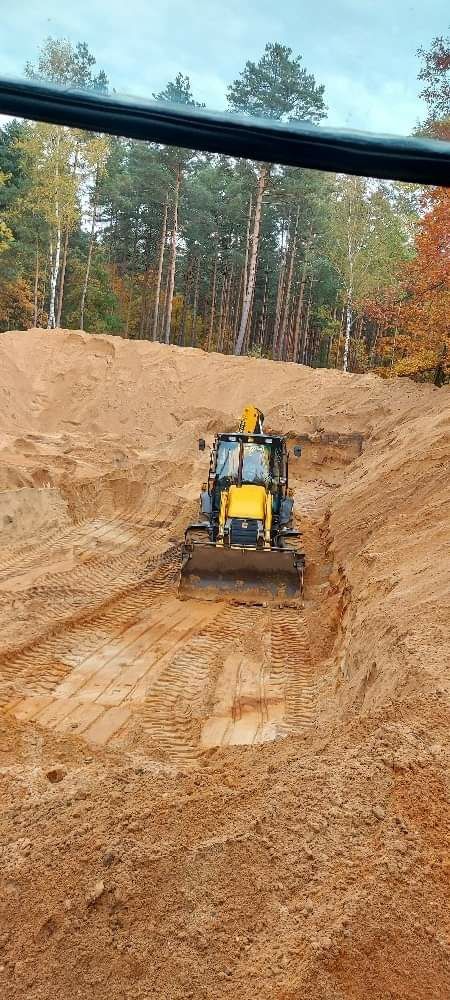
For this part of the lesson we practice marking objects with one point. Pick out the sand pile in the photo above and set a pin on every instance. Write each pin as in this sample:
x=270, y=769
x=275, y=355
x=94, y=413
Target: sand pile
x=200, y=800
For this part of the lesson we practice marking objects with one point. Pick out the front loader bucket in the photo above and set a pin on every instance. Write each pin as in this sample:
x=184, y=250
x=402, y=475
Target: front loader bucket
x=242, y=575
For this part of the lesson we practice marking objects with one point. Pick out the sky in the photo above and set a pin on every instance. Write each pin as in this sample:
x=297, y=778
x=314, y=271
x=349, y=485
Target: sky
x=363, y=51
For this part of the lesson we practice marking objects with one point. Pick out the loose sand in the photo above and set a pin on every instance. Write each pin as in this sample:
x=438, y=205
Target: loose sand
x=201, y=800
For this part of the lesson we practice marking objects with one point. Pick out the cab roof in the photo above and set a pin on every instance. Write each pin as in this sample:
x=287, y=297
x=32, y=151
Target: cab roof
x=252, y=438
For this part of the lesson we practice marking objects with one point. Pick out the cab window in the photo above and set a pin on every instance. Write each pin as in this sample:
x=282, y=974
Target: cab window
x=227, y=466
x=256, y=464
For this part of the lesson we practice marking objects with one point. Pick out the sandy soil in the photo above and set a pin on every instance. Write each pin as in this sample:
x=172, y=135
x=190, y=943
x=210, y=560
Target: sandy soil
x=201, y=800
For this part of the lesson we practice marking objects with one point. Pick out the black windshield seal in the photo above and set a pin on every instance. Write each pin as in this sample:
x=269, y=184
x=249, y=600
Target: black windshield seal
x=418, y=160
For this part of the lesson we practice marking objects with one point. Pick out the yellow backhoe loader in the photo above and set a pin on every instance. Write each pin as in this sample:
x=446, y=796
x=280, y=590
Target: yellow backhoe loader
x=245, y=548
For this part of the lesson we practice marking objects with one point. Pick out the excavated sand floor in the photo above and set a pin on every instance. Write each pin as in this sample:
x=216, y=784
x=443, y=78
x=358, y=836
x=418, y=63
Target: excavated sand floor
x=201, y=799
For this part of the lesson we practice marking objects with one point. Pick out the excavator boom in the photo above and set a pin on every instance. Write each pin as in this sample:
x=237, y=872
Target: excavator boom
x=251, y=421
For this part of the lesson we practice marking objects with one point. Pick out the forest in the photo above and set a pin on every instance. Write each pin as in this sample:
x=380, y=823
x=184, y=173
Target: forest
x=149, y=242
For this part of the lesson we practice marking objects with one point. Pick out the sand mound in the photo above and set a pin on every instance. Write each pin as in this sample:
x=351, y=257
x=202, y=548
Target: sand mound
x=202, y=800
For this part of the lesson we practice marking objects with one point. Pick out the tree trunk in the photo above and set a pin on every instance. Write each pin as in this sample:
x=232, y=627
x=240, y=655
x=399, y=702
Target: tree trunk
x=247, y=338
x=36, y=286
x=380, y=328
x=230, y=312
x=341, y=327
x=187, y=287
x=53, y=279
x=289, y=343
x=280, y=289
x=222, y=294
x=360, y=328
x=165, y=303
x=315, y=351
x=64, y=263
x=249, y=290
x=288, y=289
x=348, y=326
x=160, y=270
x=173, y=258
x=62, y=279
x=43, y=297
x=144, y=300
x=349, y=305
x=305, y=338
x=55, y=264
x=195, y=307
x=130, y=299
x=262, y=318
x=330, y=349
x=298, y=318
x=54, y=267
x=237, y=312
x=299, y=313
x=226, y=314
x=247, y=246
x=91, y=247
x=132, y=274
x=213, y=306
x=276, y=326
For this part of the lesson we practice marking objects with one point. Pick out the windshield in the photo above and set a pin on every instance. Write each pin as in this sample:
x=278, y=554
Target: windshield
x=256, y=463
x=152, y=242
x=333, y=63
x=228, y=460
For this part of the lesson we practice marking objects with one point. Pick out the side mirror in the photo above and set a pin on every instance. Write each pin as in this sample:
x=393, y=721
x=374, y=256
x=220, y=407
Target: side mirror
x=201, y=444
x=297, y=451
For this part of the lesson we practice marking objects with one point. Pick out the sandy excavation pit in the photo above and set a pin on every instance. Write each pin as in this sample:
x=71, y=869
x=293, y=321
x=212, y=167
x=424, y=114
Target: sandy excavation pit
x=158, y=754
x=184, y=674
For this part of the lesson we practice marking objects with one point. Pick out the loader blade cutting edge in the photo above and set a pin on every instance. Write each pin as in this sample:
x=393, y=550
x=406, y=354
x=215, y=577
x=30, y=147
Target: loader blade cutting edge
x=252, y=576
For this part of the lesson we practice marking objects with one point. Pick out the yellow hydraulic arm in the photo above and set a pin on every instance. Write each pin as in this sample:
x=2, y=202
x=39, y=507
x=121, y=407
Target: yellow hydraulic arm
x=251, y=421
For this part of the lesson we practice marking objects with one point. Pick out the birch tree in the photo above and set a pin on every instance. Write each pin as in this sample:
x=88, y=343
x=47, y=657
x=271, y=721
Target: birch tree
x=96, y=156
x=67, y=65
x=53, y=189
x=55, y=174
x=365, y=244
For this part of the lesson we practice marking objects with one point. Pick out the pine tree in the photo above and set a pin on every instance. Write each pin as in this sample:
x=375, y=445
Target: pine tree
x=276, y=87
x=177, y=91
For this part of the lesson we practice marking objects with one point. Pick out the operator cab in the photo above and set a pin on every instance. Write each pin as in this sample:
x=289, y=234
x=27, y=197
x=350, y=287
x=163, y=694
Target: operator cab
x=253, y=459
x=241, y=463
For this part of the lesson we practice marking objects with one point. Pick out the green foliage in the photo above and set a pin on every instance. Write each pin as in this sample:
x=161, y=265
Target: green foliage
x=178, y=91
x=278, y=87
x=435, y=74
x=62, y=63
x=103, y=313
x=6, y=236
x=330, y=248
x=255, y=351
